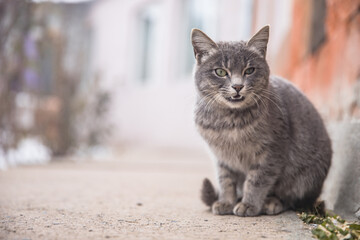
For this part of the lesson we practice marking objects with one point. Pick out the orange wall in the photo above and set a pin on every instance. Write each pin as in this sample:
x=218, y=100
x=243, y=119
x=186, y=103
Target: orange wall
x=331, y=76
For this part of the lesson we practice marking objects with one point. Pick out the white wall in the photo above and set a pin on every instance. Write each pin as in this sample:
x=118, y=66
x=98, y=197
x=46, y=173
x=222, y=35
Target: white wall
x=159, y=111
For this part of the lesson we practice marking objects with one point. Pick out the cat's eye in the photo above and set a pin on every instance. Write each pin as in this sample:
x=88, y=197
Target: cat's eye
x=220, y=72
x=249, y=71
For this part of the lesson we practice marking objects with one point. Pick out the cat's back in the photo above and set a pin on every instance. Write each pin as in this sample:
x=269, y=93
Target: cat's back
x=306, y=127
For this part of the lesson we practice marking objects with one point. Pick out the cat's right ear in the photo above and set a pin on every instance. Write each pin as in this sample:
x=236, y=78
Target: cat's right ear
x=202, y=44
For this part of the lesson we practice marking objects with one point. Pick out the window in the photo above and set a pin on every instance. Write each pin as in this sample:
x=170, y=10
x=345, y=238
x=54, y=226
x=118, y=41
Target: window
x=318, y=31
x=149, y=54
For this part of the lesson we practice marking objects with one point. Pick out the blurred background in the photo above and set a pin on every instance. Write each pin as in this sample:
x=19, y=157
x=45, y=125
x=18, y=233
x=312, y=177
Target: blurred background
x=91, y=79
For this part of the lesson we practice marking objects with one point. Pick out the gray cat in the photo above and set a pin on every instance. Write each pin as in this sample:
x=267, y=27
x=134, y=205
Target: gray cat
x=271, y=147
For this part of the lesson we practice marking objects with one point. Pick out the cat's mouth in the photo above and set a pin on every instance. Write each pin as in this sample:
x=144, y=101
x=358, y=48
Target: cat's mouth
x=236, y=98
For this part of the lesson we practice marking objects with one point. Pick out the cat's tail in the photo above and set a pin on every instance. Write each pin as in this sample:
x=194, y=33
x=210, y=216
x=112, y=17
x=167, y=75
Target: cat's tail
x=208, y=193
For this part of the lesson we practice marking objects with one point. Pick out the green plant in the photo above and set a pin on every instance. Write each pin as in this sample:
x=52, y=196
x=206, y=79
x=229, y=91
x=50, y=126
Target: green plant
x=331, y=227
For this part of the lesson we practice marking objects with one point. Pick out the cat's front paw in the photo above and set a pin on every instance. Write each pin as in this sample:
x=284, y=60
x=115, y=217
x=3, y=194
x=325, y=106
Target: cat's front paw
x=246, y=210
x=222, y=208
x=272, y=206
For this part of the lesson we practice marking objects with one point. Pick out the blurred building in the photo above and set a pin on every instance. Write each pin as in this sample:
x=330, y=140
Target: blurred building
x=139, y=52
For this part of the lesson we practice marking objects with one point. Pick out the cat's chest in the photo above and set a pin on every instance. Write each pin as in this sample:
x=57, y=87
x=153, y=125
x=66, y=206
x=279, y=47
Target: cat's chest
x=237, y=143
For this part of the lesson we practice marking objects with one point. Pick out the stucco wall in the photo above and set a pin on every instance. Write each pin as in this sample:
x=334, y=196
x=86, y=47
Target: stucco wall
x=330, y=76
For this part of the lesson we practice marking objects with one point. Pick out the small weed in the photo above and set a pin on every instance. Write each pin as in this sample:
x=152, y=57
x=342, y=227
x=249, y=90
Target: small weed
x=331, y=227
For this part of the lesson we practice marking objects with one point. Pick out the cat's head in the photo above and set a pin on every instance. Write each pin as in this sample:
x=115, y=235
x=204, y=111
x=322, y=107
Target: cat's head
x=231, y=74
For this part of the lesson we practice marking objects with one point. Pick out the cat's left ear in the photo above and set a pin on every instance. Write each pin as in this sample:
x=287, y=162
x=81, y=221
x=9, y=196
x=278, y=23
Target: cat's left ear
x=260, y=40
x=202, y=44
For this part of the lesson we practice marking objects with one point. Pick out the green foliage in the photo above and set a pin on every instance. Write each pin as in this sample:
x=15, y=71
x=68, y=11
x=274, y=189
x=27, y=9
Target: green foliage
x=331, y=227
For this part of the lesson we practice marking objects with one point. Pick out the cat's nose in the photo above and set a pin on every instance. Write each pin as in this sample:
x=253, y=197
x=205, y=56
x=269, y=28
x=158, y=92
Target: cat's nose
x=237, y=87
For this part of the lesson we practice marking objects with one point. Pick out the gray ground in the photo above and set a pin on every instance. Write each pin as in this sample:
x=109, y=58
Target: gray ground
x=141, y=195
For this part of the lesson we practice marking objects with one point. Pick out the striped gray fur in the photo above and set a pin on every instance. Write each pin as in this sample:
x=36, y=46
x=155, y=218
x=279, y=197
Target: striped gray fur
x=271, y=147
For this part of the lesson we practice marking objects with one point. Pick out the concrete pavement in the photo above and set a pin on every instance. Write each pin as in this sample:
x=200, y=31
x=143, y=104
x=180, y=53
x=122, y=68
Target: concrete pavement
x=139, y=195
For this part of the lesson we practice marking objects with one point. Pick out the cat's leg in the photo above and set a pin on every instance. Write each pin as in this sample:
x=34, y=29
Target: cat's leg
x=273, y=206
x=259, y=181
x=239, y=186
x=227, y=193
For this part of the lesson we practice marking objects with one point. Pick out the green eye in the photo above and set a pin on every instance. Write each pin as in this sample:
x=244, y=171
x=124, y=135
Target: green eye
x=220, y=72
x=249, y=71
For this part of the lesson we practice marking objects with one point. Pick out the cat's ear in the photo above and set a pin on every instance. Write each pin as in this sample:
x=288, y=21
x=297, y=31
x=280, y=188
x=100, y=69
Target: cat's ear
x=260, y=40
x=202, y=44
